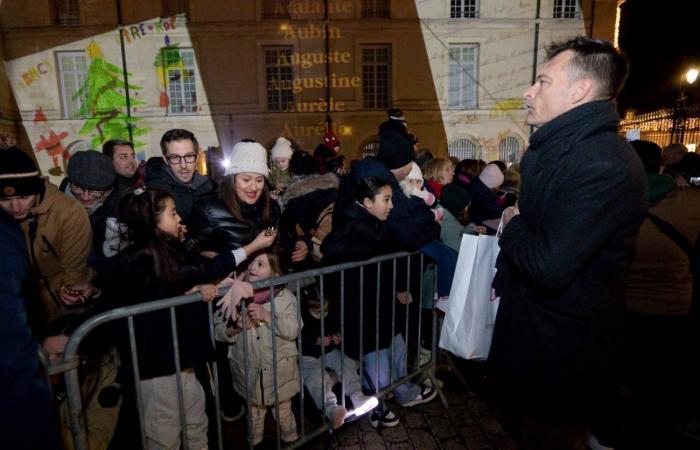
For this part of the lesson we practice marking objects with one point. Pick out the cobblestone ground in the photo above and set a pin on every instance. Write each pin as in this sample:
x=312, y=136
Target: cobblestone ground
x=469, y=425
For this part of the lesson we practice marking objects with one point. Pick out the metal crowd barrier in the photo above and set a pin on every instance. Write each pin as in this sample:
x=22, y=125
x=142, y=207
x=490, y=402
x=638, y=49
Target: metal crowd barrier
x=70, y=364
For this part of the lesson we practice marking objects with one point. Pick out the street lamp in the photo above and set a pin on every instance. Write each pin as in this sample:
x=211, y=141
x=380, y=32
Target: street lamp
x=678, y=130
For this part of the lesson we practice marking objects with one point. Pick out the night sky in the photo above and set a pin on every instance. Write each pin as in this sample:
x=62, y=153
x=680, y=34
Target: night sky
x=661, y=40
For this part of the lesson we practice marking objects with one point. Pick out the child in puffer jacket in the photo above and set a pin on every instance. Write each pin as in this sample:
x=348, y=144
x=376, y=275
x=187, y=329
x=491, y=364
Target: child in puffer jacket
x=256, y=361
x=444, y=256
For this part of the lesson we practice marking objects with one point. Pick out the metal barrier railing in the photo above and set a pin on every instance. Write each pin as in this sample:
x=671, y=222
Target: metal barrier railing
x=70, y=362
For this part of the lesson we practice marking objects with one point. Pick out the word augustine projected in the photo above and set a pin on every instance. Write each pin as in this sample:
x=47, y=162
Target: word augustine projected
x=308, y=60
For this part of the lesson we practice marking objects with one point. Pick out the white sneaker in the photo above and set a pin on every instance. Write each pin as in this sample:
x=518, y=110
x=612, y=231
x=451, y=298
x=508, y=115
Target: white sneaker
x=363, y=403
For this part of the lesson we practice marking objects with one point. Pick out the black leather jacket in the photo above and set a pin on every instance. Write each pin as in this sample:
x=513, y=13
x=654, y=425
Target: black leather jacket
x=213, y=227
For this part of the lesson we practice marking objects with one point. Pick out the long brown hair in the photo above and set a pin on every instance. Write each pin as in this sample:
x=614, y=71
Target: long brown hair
x=227, y=193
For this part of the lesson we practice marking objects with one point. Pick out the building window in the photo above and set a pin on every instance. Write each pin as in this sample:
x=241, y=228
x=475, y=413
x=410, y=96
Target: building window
x=72, y=70
x=275, y=9
x=462, y=77
x=464, y=149
x=371, y=147
x=376, y=76
x=181, y=80
x=278, y=78
x=67, y=13
x=375, y=8
x=565, y=9
x=463, y=9
x=508, y=149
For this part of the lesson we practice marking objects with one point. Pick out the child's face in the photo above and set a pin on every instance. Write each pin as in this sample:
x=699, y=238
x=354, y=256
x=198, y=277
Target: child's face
x=282, y=163
x=259, y=269
x=169, y=219
x=416, y=184
x=380, y=206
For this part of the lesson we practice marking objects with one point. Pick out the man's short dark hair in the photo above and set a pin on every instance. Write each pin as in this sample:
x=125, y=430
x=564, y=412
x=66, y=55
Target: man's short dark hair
x=595, y=59
x=108, y=147
x=649, y=153
x=177, y=134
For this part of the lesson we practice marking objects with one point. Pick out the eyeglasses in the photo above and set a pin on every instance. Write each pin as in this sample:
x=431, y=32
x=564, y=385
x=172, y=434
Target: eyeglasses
x=94, y=194
x=175, y=159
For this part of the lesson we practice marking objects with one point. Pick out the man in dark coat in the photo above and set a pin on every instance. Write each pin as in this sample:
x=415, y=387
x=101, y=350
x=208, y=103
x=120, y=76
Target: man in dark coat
x=27, y=418
x=556, y=353
x=176, y=171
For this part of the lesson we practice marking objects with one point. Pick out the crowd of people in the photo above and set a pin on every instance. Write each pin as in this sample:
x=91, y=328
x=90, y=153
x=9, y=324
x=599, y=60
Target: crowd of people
x=118, y=233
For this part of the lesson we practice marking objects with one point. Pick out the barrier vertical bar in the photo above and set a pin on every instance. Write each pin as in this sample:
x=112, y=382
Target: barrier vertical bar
x=342, y=338
x=137, y=379
x=408, y=311
x=362, y=306
x=301, y=360
x=215, y=375
x=246, y=371
x=420, y=314
x=273, y=326
x=393, y=322
x=78, y=427
x=323, y=352
x=376, y=327
x=178, y=379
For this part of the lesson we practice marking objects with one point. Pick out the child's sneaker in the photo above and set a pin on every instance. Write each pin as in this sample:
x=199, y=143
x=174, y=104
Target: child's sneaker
x=426, y=395
x=384, y=418
x=363, y=403
x=337, y=416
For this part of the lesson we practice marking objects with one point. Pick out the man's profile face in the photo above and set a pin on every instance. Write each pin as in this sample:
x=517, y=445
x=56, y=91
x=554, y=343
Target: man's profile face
x=124, y=160
x=181, y=156
x=550, y=96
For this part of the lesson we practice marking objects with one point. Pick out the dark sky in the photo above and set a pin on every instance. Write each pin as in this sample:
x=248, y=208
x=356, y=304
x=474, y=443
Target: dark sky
x=661, y=40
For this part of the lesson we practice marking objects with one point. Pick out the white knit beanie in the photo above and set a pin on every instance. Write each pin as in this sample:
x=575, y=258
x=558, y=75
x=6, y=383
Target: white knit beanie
x=282, y=148
x=491, y=176
x=415, y=173
x=248, y=157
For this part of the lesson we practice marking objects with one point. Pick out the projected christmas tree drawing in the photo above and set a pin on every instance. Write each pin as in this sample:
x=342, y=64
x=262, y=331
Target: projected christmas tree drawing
x=104, y=102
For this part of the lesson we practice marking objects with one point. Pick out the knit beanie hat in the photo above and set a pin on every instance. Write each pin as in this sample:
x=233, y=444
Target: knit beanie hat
x=415, y=173
x=491, y=176
x=330, y=140
x=282, y=148
x=248, y=157
x=90, y=169
x=395, y=150
x=19, y=174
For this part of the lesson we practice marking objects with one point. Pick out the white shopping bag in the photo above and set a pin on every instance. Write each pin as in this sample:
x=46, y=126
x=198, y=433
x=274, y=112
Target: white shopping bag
x=472, y=307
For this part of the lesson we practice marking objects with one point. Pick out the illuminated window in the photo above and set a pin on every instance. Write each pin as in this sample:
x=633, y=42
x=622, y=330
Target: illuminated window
x=278, y=78
x=508, y=149
x=72, y=69
x=565, y=9
x=462, y=82
x=463, y=9
x=180, y=77
x=464, y=148
x=376, y=76
x=370, y=148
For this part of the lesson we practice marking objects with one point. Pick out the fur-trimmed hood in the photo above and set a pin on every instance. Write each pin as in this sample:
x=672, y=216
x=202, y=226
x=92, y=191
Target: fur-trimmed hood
x=308, y=185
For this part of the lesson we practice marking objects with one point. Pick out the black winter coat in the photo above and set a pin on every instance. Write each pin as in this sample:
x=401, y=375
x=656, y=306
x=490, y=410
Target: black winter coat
x=358, y=236
x=159, y=176
x=411, y=222
x=556, y=348
x=213, y=227
x=135, y=282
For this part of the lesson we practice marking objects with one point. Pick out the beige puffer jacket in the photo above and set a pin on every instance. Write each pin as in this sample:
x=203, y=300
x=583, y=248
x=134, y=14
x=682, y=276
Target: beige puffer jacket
x=259, y=360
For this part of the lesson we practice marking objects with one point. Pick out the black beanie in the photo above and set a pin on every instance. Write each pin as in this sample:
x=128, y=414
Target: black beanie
x=19, y=174
x=395, y=150
x=90, y=169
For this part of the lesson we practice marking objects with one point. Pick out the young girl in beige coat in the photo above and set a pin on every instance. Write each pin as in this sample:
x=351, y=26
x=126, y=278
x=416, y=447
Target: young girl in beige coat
x=258, y=365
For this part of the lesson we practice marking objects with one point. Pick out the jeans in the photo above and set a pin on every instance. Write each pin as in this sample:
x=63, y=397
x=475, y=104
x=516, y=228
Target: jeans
x=446, y=259
x=312, y=378
x=404, y=393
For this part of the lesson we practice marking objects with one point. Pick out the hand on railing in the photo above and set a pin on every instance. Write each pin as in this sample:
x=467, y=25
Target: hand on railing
x=208, y=291
x=258, y=312
x=228, y=303
x=404, y=298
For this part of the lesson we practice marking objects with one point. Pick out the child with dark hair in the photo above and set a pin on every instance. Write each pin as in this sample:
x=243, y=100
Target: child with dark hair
x=156, y=265
x=255, y=363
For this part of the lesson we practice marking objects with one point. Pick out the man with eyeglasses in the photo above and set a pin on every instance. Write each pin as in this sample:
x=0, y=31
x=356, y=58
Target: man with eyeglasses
x=176, y=171
x=91, y=181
